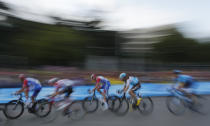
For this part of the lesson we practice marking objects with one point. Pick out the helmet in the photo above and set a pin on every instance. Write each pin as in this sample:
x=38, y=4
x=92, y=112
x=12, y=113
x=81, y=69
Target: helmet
x=177, y=71
x=92, y=76
x=21, y=76
x=122, y=75
x=52, y=80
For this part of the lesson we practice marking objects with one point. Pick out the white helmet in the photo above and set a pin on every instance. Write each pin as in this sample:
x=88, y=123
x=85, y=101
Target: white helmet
x=21, y=76
x=52, y=80
x=92, y=76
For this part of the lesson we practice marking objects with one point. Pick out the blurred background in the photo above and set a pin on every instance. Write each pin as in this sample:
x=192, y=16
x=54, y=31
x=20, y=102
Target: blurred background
x=73, y=39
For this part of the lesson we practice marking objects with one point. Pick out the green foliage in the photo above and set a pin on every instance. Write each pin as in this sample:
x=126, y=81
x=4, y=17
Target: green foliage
x=177, y=48
x=45, y=44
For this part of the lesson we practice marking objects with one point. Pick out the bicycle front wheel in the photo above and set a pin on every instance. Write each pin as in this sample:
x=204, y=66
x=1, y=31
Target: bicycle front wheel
x=14, y=109
x=90, y=104
x=146, y=106
x=42, y=108
x=75, y=111
x=201, y=105
x=175, y=105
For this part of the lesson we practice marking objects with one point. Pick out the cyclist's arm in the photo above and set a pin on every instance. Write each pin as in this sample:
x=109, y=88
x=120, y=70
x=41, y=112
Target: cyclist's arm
x=57, y=89
x=126, y=87
x=97, y=84
x=26, y=92
x=56, y=92
x=24, y=89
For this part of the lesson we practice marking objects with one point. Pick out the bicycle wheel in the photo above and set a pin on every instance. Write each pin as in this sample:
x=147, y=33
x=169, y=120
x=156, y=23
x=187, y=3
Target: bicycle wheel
x=200, y=105
x=14, y=109
x=123, y=108
x=146, y=106
x=75, y=111
x=175, y=105
x=113, y=103
x=42, y=108
x=90, y=104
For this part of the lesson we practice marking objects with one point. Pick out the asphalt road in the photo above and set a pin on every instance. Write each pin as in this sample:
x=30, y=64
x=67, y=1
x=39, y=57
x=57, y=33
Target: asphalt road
x=160, y=117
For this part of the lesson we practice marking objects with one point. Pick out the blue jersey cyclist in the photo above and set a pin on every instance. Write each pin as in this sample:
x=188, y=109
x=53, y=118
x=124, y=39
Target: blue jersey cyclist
x=29, y=84
x=185, y=82
x=101, y=83
x=134, y=83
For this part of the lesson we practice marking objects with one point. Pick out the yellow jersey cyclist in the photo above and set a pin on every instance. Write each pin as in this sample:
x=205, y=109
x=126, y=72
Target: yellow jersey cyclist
x=134, y=83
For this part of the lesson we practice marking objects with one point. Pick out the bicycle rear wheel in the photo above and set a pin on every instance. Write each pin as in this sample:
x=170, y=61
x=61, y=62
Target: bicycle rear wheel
x=146, y=106
x=175, y=105
x=113, y=103
x=42, y=108
x=90, y=104
x=14, y=109
x=201, y=105
x=123, y=107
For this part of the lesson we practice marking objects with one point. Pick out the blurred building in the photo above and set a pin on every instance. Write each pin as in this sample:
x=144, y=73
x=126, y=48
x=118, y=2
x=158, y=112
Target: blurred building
x=137, y=47
x=139, y=41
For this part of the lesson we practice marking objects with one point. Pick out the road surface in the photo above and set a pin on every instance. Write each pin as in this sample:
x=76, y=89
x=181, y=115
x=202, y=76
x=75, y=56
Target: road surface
x=160, y=117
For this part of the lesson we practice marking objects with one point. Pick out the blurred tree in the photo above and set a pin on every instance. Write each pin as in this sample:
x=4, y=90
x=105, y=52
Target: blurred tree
x=177, y=48
x=65, y=43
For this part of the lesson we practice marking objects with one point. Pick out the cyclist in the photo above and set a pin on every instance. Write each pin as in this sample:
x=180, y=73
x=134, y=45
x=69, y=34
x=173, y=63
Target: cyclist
x=29, y=84
x=184, y=83
x=62, y=86
x=101, y=83
x=131, y=81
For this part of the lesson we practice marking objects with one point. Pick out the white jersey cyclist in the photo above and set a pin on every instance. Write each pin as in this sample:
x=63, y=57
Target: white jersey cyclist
x=63, y=83
x=132, y=81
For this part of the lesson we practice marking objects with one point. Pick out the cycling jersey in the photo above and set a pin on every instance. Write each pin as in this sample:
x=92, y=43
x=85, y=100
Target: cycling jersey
x=105, y=83
x=32, y=84
x=64, y=83
x=186, y=79
x=102, y=80
x=132, y=81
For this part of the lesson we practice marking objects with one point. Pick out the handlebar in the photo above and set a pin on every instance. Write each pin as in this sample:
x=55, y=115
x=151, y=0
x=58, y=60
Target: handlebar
x=90, y=91
x=20, y=94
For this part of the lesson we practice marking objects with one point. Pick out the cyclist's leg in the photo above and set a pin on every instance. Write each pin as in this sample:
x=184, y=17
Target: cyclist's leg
x=188, y=92
x=35, y=94
x=33, y=97
x=102, y=93
x=132, y=92
x=68, y=91
x=107, y=88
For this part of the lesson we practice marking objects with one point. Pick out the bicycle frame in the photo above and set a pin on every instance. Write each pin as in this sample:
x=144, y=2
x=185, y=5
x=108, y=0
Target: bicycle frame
x=180, y=95
x=93, y=96
x=20, y=99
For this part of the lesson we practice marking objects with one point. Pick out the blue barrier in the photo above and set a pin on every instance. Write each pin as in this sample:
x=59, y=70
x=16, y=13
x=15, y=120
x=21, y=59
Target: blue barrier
x=148, y=89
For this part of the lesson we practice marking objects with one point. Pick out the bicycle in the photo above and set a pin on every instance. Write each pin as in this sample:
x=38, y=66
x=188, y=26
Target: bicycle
x=73, y=110
x=145, y=107
x=11, y=107
x=90, y=103
x=178, y=102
